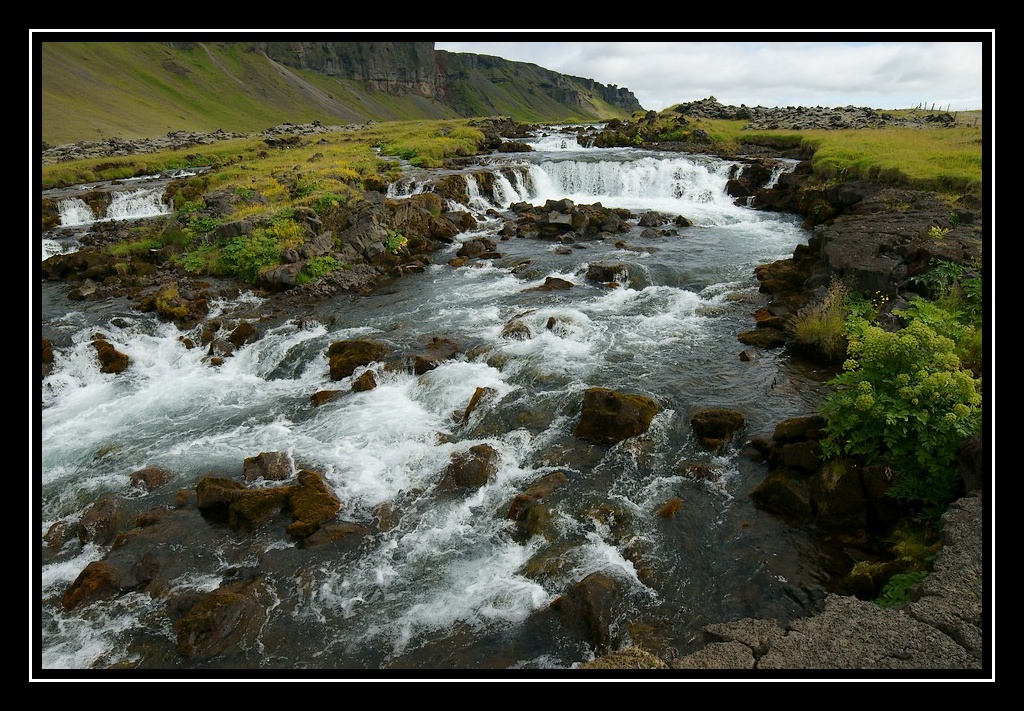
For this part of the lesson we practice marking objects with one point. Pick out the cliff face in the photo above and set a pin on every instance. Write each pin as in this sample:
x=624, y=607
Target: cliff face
x=397, y=68
x=456, y=69
x=401, y=68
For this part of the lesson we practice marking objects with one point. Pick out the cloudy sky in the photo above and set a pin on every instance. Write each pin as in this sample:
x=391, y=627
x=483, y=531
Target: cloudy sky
x=876, y=74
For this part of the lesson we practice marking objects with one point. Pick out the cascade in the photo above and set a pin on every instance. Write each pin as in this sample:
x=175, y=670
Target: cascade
x=433, y=577
x=124, y=205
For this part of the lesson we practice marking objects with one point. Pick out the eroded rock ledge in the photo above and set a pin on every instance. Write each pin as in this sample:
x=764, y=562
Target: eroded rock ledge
x=939, y=629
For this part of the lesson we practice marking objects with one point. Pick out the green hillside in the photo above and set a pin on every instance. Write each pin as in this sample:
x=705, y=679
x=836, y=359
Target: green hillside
x=99, y=90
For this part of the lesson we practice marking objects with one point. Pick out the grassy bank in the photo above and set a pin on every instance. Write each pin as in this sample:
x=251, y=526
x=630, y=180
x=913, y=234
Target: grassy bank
x=324, y=160
x=946, y=159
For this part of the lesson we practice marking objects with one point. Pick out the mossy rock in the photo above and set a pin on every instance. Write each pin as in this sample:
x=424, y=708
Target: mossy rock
x=345, y=356
x=785, y=494
x=217, y=621
x=312, y=504
x=715, y=427
x=838, y=496
x=111, y=359
x=255, y=506
x=628, y=658
x=766, y=338
x=608, y=416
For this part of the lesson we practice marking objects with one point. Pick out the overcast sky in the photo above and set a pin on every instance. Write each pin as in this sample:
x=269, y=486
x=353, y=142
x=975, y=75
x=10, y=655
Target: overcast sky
x=875, y=74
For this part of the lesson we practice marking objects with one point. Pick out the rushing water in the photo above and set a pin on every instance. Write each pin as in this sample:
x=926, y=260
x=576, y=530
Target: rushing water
x=438, y=582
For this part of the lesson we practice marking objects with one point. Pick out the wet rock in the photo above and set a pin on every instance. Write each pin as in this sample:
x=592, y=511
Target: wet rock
x=437, y=351
x=588, y=607
x=785, y=494
x=111, y=359
x=47, y=357
x=312, y=504
x=607, y=273
x=149, y=478
x=242, y=334
x=366, y=381
x=470, y=469
x=102, y=521
x=529, y=509
x=218, y=620
x=554, y=284
x=345, y=356
x=607, y=416
x=272, y=466
x=715, y=427
x=479, y=396
x=321, y=397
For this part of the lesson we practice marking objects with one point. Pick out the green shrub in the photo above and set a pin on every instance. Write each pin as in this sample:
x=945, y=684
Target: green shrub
x=206, y=259
x=327, y=201
x=897, y=590
x=956, y=309
x=316, y=267
x=948, y=284
x=904, y=401
x=246, y=256
x=396, y=241
x=202, y=225
x=285, y=231
x=190, y=206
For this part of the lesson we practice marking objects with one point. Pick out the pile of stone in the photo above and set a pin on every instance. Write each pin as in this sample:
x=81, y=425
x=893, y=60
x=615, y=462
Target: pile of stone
x=806, y=118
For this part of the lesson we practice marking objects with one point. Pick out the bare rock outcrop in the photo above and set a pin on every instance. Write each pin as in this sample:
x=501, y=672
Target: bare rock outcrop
x=939, y=629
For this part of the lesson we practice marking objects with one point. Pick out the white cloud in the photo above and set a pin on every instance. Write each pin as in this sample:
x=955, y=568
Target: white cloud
x=882, y=75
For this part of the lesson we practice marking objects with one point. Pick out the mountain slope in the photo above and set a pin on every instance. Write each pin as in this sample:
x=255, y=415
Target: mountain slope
x=97, y=90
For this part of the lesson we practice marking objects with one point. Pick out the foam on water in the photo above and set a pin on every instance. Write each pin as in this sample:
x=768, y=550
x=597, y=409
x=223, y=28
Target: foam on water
x=435, y=562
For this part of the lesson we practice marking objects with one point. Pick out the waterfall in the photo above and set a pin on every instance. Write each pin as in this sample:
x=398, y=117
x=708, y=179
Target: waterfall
x=664, y=179
x=476, y=200
x=127, y=205
x=404, y=187
x=74, y=212
x=777, y=171
x=673, y=184
x=137, y=204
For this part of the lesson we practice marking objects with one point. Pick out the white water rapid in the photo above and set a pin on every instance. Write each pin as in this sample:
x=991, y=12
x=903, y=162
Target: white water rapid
x=436, y=579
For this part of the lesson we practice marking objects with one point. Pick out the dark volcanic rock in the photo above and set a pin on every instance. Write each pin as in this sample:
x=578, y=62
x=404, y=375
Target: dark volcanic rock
x=608, y=417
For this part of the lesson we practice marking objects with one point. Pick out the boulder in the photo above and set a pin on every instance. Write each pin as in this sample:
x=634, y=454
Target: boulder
x=715, y=427
x=607, y=416
x=149, y=478
x=529, y=509
x=470, y=470
x=588, y=607
x=785, y=494
x=272, y=466
x=345, y=356
x=111, y=359
x=312, y=504
x=436, y=351
x=219, y=619
x=103, y=520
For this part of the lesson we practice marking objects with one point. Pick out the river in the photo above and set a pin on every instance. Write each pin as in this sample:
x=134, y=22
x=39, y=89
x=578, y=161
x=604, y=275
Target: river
x=439, y=581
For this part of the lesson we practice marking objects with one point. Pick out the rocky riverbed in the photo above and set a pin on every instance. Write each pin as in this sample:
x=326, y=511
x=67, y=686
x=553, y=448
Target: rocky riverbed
x=877, y=239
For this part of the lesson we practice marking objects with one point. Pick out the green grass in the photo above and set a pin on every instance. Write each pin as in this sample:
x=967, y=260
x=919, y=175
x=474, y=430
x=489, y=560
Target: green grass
x=948, y=160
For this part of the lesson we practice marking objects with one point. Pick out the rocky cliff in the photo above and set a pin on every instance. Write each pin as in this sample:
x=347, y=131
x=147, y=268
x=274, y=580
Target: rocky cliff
x=401, y=68
x=396, y=68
